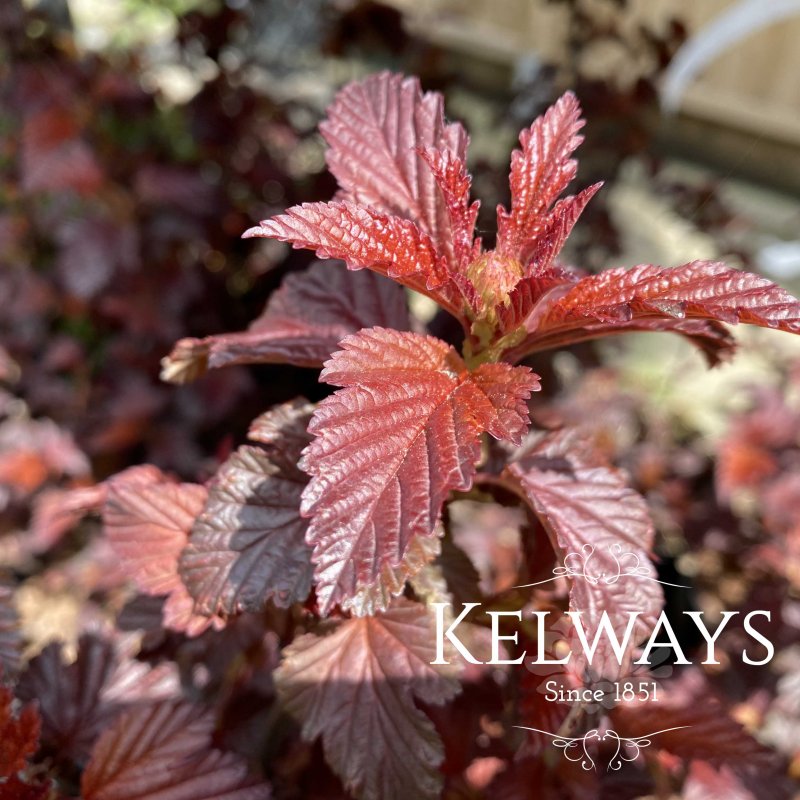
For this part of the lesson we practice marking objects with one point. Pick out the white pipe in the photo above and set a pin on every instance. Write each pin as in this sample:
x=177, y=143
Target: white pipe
x=730, y=27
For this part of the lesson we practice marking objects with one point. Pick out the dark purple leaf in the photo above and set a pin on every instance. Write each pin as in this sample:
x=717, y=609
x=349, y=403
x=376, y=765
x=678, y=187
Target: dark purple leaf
x=302, y=324
x=248, y=546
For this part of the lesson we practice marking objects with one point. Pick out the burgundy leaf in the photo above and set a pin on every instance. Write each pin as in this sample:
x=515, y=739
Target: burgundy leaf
x=364, y=238
x=707, y=732
x=163, y=752
x=355, y=686
x=10, y=636
x=539, y=174
x=92, y=250
x=303, y=322
x=77, y=700
x=19, y=734
x=248, y=545
x=705, y=783
x=284, y=426
x=658, y=298
x=392, y=444
x=594, y=521
x=461, y=577
x=15, y=789
x=537, y=710
x=147, y=519
x=375, y=130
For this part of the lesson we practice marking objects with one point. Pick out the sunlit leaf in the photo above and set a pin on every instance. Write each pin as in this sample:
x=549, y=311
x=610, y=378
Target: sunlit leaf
x=390, y=446
x=599, y=526
x=375, y=130
x=653, y=298
x=147, y=519
x=540, y=172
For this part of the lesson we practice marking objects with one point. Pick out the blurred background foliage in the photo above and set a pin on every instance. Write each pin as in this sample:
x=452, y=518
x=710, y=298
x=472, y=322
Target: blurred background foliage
x=139, y=138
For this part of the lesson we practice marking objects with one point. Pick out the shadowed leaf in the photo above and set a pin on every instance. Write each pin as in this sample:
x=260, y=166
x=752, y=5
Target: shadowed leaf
x=10, y=635
x=19, y=734
x=248, y=546
x=365, y=238
x=163, y=752
x=355, y=687
x=303, y=322
x=77, y=700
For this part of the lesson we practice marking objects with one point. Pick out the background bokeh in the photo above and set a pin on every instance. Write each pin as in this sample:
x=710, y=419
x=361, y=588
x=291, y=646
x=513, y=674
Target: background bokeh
x=139, y=139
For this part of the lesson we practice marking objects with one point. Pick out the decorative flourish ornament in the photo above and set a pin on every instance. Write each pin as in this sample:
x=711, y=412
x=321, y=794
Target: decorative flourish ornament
x=576, y=749
x=587, y=564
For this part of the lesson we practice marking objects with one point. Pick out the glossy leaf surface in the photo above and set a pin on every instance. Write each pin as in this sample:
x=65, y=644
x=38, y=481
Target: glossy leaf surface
x=402, y=433
x=602, y=530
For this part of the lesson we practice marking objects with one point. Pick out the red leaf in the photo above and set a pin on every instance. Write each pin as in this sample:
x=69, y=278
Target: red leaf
x=364, y=238
x=556, y=229
x=539, y=174
x=593, y=518
x=356, y=687
x=147, y=519
x=454, y=183
x=303, y=322
x=15, y=789
x=375, y=130
x=541, y=275
x=19, y=734
x=392, y=444
x=248, y=546
x=530, y=292
x=163, y=752
x=623, y=299
x=77, y=700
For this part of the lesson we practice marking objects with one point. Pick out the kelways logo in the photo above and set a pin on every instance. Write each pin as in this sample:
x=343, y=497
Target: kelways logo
x=606, y=637
x=599, y=664
x=617, y=636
